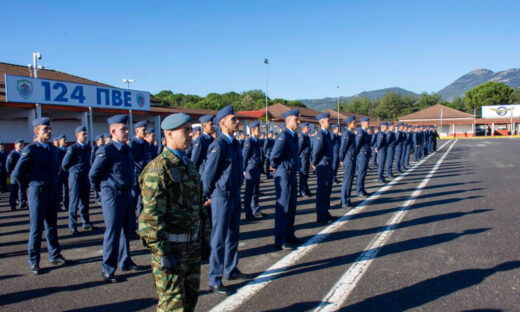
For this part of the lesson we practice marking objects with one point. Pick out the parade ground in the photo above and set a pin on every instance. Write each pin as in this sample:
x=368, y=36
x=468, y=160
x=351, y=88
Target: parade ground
x=443, y=236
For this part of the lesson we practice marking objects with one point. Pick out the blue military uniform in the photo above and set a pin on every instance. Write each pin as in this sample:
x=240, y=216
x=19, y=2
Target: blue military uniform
x=38, y=169
x=336, y=144
x=112, y=174
x=304, y=154
x=92, y=158
x=363, y=146
x=3, y=172
x=373, y=146
x=407, y=142
x=201, y=145
x=321, y=158
x=268, y=147
x=77, y=163
x=139, y=149
x=17, y=192
x=390, y=151
x=221, y=182
x=63, y=192
x=252, y=164
x=381, y=154
x=348, y=153
x=284, y=158
x=399, y=139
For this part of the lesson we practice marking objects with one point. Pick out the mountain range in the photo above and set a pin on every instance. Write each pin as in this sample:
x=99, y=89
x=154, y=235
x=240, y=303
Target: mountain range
x=458, y=88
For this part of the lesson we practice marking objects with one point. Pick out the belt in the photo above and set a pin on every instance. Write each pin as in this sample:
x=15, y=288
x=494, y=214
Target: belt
x=182, y=238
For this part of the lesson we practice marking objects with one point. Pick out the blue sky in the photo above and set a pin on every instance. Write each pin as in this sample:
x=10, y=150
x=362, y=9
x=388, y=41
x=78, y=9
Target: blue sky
x=198, y=47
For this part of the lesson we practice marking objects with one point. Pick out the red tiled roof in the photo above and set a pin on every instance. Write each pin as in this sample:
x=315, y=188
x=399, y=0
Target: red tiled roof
x=434, y=113
x=255, y=114
x=306, y=114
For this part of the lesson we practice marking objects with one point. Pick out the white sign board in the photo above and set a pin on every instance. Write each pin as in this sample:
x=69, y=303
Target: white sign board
x=501, y=111
x=44, y=91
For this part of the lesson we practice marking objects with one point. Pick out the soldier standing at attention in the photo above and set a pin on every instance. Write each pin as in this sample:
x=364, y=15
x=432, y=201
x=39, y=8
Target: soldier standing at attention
x=139, y=149
x=38, y=169
x=304, y=154
x=173, y=224
x=151, y=148
x=77, y=163
x=268, y=147
x=363, y=143
x=321, y=160
x=381, y=152
x=409, y=135
x=3, y=173
x=222, y=179
x=284, y=159
x=375, y=132
x=398, y=147
x=63, y=190
x=201, y=144
x=336, y=143
x=100, y=141
x=17, y=192
x=252, y=164
x=348, y=156
x=390, y=150
x=112, y=174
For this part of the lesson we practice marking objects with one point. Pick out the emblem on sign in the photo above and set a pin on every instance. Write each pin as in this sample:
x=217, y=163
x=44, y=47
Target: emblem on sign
x=501, y=111
x=24, y=88
x=140, y=100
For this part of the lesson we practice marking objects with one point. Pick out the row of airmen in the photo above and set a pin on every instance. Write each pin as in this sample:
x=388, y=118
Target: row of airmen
x=222, y=165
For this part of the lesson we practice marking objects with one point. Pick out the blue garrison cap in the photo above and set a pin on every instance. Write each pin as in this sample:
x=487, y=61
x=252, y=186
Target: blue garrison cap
x=333, y=127
x=63, y=136
x=174, y=121
x=390, y=124
x=292, y=112
x=18, y=141
x=118, y=119
x=323, y=115
x=150, y=130
x=139, y=124
x=282, y=125
x=253, y=124
x=384, y=123
x=364, y=119
x=44, y=121
x=197, y=128
x=99, y=137
x=80, y=128
x=304, y=124
x=206, y=118
x=107, y=135
x=350, y=119
x=227, y=110
x=399, y=124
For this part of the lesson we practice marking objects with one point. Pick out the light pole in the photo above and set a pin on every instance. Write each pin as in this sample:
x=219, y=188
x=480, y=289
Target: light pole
x=36, y=56
x=128, y=82
x=266, y=62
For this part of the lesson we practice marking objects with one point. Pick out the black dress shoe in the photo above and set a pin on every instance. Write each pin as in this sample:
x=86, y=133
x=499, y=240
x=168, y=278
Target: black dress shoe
x=74, y=232
x=362, y=196
x=133, y=235
x=300, y=194
x=348, y=205
x=89, y=227
x=251, y=218
x=332, y=218
x=324, y=221
x=109, y=278
x=238, y=276
x=13, y=208
x=132, y=267
x=381, y=182
x=35, y=269
x=294, y=240
x=59, y=260
x=365, y=194
x=309, y=194
x=284, y=247
x=258, y=215
x=220, y=290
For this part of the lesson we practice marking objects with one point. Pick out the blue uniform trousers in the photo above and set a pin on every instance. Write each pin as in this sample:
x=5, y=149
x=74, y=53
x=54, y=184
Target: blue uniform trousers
x=381, y=158
x=136, y=204
x=397, y=156
x=225, y=215
x=324, y=176
x=407, y=155
x=64, y=190
x=389, y=161
x=304, y=174
x=251, y=204
x=116, y=207
x=17, y=193
x=43, y=210
x=348, y=177
x=285, y=208
x=361, y=168
x=374, y=154
x=403, y=156
x=79, y=197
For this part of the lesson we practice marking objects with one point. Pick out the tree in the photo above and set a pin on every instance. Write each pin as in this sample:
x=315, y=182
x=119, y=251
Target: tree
x=488, y=93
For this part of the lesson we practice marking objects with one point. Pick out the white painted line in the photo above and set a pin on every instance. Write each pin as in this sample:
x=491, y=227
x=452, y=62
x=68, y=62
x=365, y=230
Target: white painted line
x=243, y=294
x=344, y=286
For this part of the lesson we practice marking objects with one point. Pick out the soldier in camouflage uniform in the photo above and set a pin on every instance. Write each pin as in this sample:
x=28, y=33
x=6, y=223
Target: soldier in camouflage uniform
x=173, y=224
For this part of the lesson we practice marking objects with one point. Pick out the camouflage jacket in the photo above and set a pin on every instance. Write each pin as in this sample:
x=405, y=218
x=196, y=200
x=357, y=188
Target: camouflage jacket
x=172, y=202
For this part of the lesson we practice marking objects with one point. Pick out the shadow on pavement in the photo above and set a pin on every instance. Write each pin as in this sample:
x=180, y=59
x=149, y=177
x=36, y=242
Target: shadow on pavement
x=128, y=306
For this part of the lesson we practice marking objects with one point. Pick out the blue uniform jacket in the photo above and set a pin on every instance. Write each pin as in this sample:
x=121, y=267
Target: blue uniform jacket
x=251, y=155
x=363, y=141
x=390, y=139
x=381, y=141
x=268, y=146
x=38, y=167
x=348, y=145
x=200, y=151
x=322, y=149
x=113, y=168
x=223, y=169
x=284, y=156
x=11, y=162
x=139, y=150
x=77, y=158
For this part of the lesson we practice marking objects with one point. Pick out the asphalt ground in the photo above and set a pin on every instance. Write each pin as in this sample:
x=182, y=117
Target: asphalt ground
x=455, y=247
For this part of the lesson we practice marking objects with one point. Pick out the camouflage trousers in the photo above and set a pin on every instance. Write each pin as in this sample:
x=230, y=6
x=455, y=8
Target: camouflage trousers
x=178, y=292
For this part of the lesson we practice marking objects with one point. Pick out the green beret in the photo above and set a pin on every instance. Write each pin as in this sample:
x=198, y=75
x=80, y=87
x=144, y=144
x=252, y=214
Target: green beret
x=175, y=121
